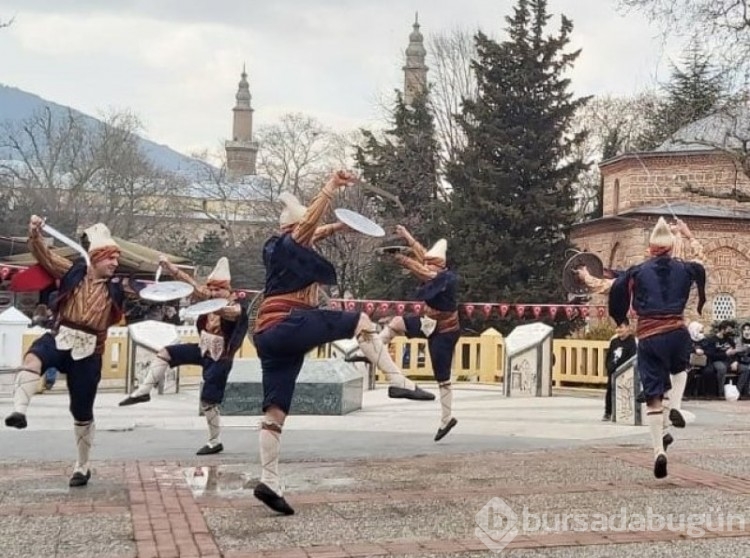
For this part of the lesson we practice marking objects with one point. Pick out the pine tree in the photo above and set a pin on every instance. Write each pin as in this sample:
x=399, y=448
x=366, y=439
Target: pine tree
x=405, y=164
x=690, y=94
x=512, y=201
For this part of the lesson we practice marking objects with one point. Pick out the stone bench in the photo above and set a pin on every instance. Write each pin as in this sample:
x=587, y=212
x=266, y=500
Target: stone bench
x=324, y=387
x=626, y=385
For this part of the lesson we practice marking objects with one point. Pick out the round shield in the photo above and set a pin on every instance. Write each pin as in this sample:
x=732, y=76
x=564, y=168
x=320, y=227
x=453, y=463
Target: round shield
x=205, y=307
x=359, y=222
x=570, y=280
x=166, y=291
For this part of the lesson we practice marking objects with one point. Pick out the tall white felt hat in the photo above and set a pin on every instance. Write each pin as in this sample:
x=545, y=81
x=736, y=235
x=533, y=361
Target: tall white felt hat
x=293, y=210
x=661, y=235
x=438, y=250
x=99, y=237
x=220, y=274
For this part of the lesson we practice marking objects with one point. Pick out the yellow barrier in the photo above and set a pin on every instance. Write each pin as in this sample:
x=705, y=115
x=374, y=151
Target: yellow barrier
x=476, y=359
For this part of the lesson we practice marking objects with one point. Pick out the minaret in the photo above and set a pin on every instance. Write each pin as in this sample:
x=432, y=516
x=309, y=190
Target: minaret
x=241, y=150
x=415, y=70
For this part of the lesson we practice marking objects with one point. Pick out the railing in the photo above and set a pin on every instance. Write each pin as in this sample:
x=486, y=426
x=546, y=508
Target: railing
x=477, y=359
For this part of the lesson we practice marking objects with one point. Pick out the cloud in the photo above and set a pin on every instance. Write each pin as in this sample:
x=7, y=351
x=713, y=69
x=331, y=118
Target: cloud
x=176, y=63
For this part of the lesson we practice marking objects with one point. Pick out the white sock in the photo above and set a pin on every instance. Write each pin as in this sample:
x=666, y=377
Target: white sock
x=154, y=376
x=213, y=419
x=446, y=403
x=270, y=443
x=679, y=381
x=665, y=422
x=84, y=432
x=377, y=353
x=655, y=419
x=26, y=383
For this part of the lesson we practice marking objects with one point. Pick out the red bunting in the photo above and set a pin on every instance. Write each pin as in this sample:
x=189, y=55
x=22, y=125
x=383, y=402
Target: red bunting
x=520, y=310
x=487, y=309
x=351, y=306
x=417, y=308
x=504, y=309
x=553, y=311
x=384, y=307
x=400, y=307
x=369, y=307
x=469, y=308
x=601, y=312
x=569, y=310
x=585, y=311
x=537, y=310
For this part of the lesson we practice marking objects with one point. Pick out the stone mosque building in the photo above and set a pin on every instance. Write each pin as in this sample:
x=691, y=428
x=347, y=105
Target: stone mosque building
x=695, y=177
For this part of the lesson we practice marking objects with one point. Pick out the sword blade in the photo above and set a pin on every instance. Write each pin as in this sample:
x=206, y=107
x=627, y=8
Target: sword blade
x=68, y=241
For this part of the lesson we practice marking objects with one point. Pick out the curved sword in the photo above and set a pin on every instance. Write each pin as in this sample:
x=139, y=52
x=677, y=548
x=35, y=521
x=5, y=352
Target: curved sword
x=65, y=240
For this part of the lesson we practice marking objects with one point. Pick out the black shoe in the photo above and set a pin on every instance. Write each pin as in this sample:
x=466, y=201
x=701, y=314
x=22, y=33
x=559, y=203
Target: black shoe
x=667, y=440
x=641, y=397
x=676, y=418
x=16, y=420
x=133, y=400
x=445, y=429
x=606, y=418
x=79, y=479
x=418, y=394
x=660, y=466
x=277, y=503
x=208, y=449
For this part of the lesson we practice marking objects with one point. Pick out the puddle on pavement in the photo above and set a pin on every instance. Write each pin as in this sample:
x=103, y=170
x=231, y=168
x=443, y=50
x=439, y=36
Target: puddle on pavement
x=236, y=481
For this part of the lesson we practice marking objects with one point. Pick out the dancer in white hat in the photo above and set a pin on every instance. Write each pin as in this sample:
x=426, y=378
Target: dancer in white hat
x=90, y=300
x=439, y=325
x=221, y=335
x=658, y=290
x=289, y=324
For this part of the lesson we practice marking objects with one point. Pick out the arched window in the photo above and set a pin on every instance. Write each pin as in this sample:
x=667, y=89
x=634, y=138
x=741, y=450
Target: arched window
x=616, y=197
x=725, y=307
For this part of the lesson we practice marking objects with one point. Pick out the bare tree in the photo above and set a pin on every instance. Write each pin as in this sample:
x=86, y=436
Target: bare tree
x=297, y=153
x=614, y=125
x=6, y=23
x=453, y=81
x=76, y=171
x=721, y=24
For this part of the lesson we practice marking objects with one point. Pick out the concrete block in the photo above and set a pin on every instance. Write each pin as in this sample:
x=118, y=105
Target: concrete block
x=324, y=387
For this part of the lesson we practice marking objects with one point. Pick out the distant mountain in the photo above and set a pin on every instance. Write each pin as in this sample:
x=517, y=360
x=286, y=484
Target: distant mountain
x=17, y=105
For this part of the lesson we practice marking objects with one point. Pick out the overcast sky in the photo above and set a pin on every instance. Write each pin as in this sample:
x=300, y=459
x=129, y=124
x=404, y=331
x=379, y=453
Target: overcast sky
x=176, y=63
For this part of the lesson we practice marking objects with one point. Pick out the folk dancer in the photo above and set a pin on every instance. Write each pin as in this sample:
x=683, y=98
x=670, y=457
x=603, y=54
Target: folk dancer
x=658, y=290
x=686, y=247
x=289, y=325
x=439, y=325
x=89, y=301
x=221, y=335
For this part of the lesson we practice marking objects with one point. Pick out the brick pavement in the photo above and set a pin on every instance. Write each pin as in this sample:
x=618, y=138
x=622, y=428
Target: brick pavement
x=168, y=519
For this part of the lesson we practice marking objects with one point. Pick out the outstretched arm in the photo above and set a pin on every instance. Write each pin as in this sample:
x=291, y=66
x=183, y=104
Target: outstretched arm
x=324, y=231
x=418, y=250
x=417, y=268
x=304, y=231
x=54, y=264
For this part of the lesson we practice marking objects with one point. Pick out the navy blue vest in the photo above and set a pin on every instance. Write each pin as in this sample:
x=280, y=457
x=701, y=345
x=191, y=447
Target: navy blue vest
x=290, y=267
x=659, y=286
x=440, y=293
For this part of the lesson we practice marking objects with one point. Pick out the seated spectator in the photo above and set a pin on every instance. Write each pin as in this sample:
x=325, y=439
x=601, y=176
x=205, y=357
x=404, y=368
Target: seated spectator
x=698, y=360
x=722, y=357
